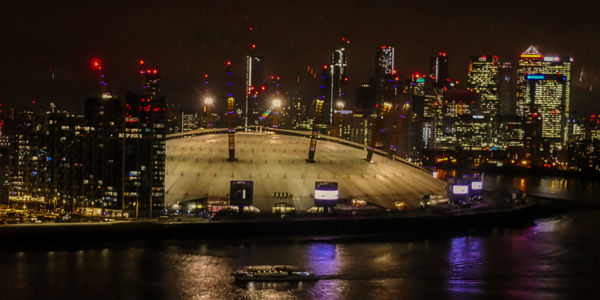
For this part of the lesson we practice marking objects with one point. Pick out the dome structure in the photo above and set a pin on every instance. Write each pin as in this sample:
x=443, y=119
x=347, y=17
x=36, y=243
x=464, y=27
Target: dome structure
x=197, y=167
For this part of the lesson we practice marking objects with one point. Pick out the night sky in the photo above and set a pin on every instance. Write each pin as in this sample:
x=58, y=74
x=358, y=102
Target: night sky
x=186, y=39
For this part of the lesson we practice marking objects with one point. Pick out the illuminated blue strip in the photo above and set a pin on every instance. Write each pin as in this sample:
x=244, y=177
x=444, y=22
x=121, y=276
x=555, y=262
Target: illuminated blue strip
x=536, y=77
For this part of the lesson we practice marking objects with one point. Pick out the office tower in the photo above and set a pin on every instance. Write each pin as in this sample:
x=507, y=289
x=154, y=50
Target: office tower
x=144, y=154
x=145, y=144
x=255, y=88
x=483, y=80
x=337, y=83
x=548, y=98
x=4, y=151
x=464, y=127
x=507, y=78
x=543, y=87
x=530, y=62
x=438, y=69
x=383, y=81
x=103, y=152
x=384, y=61
x=365, y=97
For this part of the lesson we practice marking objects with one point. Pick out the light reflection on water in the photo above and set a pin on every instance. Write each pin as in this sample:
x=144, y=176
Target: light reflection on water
x=552, y=258
x=580, y=189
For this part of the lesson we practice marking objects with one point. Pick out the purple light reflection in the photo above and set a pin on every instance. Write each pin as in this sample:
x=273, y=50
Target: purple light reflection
x=464, y=266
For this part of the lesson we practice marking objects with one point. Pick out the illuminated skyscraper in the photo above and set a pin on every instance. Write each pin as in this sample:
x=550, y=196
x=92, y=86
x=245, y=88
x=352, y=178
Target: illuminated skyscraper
x=530, y=62
x=255, y=86
x=337, y=84
x=547, y=94
x=438, y=69
x=507, y=90
x=384, y=61
x=483, y=80
x=384, y=75
x=543, y=87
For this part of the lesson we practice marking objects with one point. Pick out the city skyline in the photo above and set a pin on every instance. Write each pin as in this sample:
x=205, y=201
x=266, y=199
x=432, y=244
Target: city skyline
x=55, y=69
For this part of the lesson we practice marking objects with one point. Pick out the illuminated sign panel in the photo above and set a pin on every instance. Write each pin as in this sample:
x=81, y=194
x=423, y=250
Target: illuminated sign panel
x=477, y=185
x=326, y=193
x=241, y=193
x=552, y=58
x=460, y=189
x=536, y=77
x=531, y=56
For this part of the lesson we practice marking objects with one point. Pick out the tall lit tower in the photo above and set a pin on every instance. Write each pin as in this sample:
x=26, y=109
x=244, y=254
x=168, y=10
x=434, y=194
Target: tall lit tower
x=530, y=62
x=338, y=79
x=543, y=88
x=384, y=61
x=97, y=67
x=483, y=80
x=438, y=69
x=384, y=72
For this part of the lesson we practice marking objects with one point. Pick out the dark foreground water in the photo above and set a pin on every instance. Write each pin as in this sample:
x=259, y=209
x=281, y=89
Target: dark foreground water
x=553, y=257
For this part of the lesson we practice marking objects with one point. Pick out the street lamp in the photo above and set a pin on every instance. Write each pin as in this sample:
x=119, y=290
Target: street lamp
x=275, y=116
x=277, y=103
x=207, y=102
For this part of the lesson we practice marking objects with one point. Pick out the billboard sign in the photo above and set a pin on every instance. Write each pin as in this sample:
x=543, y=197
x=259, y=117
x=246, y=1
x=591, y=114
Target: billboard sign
x=326, y=193
x=477, y=185
x=241, y=192
x=460, y=189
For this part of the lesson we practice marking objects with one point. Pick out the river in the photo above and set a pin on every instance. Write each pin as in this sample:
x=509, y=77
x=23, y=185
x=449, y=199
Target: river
x=552, y=257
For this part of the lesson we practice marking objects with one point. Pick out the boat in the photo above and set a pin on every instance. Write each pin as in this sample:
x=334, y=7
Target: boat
x=273, y=273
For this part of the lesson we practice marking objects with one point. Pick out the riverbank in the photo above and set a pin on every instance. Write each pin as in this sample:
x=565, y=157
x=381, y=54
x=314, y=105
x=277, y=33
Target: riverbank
x=408, y=224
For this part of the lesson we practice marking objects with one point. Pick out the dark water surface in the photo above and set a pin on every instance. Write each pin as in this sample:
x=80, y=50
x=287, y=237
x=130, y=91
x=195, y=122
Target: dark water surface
x=555, y=257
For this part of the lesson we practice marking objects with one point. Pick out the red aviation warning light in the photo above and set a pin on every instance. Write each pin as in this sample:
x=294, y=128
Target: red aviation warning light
x=154, y=71
x=96, y=64
x=228, y=63
x=325, y=67
x=141, y=62
x=253, y=46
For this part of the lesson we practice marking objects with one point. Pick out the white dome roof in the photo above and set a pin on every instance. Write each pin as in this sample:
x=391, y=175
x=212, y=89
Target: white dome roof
x=197, y=167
